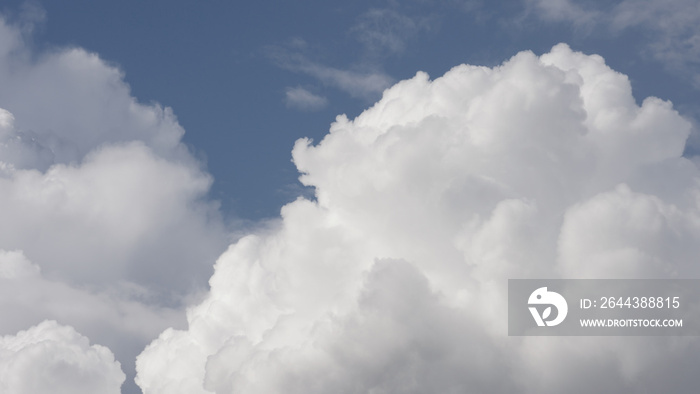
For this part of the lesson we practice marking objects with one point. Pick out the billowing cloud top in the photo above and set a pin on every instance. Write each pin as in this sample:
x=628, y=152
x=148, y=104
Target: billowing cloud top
x=393, y=281
x=50, y=358
x=105, y=222
x=61, y=85
x=95, y=187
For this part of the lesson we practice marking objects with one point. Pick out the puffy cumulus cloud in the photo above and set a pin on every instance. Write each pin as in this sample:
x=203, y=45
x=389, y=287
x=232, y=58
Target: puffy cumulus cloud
x=112, y=318
x=97, y=187
x=394, y=279
x=51, y=358
x=100, y=194
x=82, y=102
x=122, y=214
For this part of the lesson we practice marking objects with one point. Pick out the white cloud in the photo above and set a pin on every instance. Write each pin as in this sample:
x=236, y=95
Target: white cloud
x=99, y=193
x=394, y=280
x=97, y=187
x=123, y=214
x=50, y=359
x=83, y=103
x=304, y=100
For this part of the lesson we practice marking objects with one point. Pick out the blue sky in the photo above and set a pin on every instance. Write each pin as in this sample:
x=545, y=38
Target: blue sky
x=225, y=67
x=175, y=263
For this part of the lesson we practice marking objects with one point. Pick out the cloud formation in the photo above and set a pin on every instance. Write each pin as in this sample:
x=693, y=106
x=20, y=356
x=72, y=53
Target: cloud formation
x=674, y=26
x=106, y=224
x=304, y=100
x=382, y=32
x=118, y=319
x=669, y=25
x=95, y=186
x=364, y=83
x=50, y=359
x=394, y=279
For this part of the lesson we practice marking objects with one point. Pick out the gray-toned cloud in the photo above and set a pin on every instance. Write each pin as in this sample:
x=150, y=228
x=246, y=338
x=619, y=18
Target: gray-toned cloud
x=50, y=359
x=114, y=318
x=394, y=279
